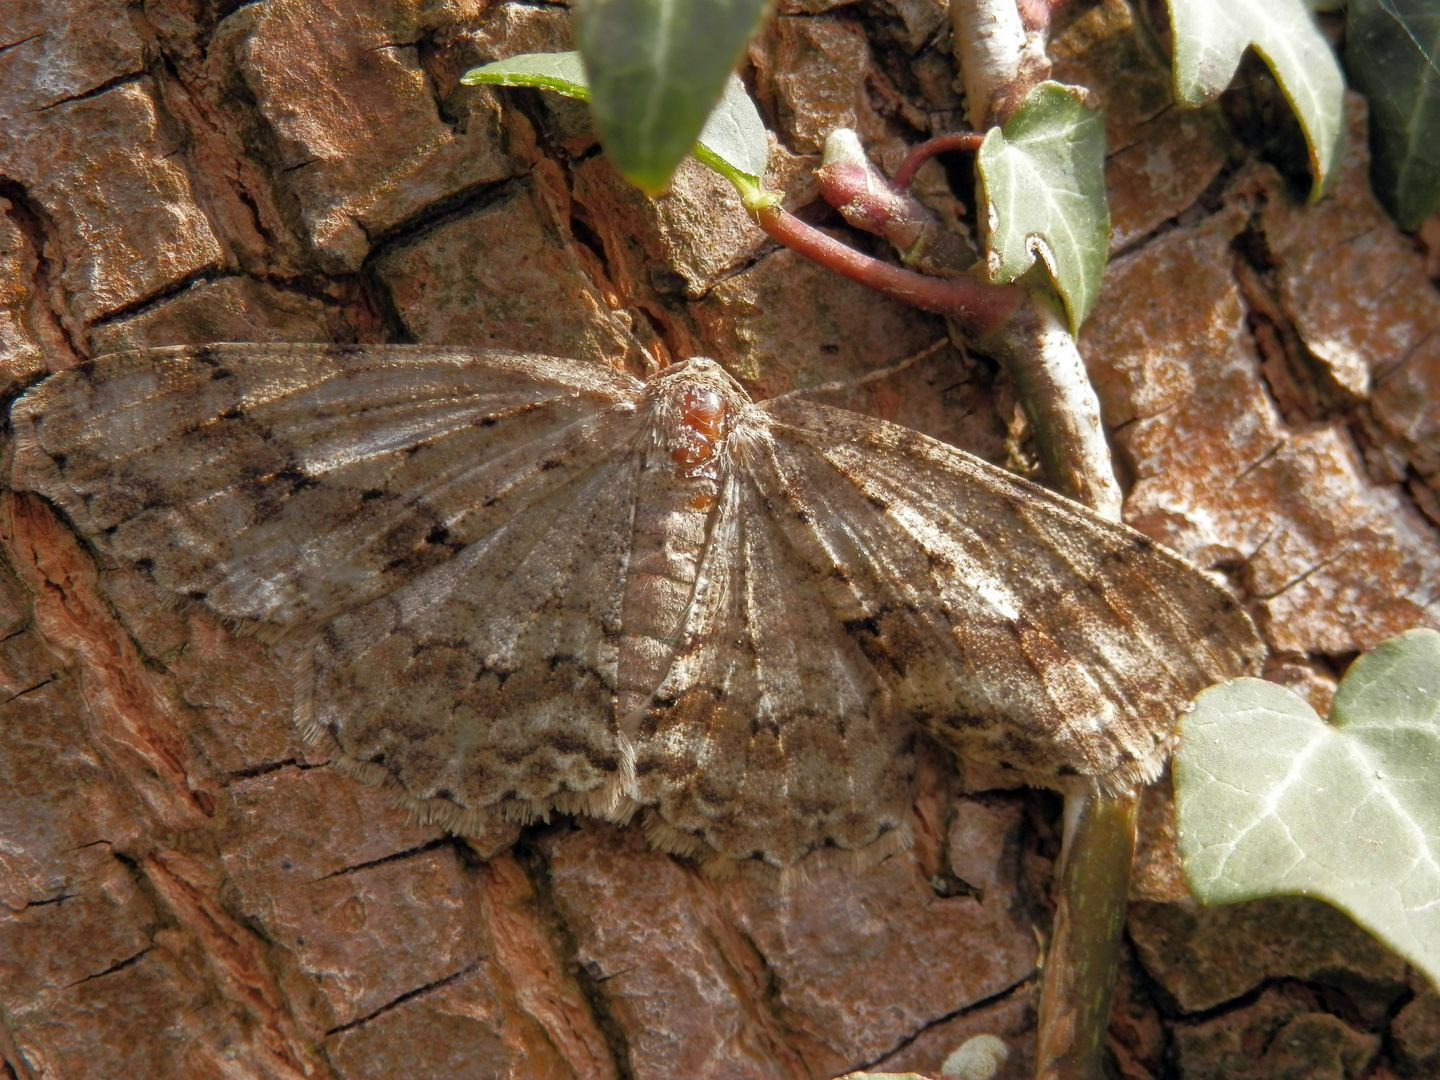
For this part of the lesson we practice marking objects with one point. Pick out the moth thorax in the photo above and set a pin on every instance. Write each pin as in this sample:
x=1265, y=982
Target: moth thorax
x=699, y=428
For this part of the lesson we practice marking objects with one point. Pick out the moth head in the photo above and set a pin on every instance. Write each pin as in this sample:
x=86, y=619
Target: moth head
x=696, y=404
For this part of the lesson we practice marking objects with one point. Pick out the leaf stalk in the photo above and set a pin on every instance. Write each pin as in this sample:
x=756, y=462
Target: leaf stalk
x=978, y=307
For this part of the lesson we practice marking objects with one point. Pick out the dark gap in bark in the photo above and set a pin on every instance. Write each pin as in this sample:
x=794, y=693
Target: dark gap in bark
x=1335, y=664
x=1040, y=835
x=452, y=207
x=219, y=11
x=164, y=917
x=582, y=233
x=120, y=965
x=965, y=1010
x=1419, y=494
x=52, y=900
x=260, y=769
x=771, y=991
x=25, y=625
x=409, y=995
x=1209, y=202
x=394, y=856
x=16, y=44
x=1308, y=995
x=429, y=51
x=890, y=84
x=94, y=92
x=1148, y=989
x=536, y=867
x=1262, y=119
x=204, y=276
x=378, y=302
x=1303, y=389
x=38, y=229
x=168, y=81
x=245, y=124
x=28, y=690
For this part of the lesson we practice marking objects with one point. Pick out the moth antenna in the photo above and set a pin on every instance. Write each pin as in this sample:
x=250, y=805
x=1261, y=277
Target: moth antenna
x=858, y=860
x=868, y=377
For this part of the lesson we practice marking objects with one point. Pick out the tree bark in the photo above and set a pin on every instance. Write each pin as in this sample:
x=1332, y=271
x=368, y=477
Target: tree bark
x=186, y=890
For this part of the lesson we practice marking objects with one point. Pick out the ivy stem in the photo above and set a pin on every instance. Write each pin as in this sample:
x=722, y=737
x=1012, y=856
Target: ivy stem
x=979, y=308
x=1050, y=379
x=1092, y=884
x=956, y=140
x=1000, y=45
x=1093, y=877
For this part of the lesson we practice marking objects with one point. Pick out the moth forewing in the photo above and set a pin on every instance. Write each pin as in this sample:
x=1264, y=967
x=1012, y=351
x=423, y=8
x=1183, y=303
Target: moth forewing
x=1019, y=627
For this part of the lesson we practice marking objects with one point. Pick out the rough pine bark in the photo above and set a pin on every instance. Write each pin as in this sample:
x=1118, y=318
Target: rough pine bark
x=188, y=891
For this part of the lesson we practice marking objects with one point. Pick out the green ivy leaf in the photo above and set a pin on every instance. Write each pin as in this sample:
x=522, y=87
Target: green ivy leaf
x=1044, y=177
x=657, y=68
x=1212, y=35
x=561, y=72
x=735, y=134
x=733, y=141
x=1390, y=49
x=1271, y=799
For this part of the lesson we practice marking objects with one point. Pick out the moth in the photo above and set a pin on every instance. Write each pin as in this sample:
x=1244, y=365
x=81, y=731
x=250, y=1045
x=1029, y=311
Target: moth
x=517, y=584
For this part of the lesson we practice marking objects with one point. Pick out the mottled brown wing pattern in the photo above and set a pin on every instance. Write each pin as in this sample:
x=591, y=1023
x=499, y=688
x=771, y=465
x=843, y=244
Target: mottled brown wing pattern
x=490, y=680
x=479, y=556
x=445, y=532
x=284, y=483
x=771, y=735
x=1015, y=625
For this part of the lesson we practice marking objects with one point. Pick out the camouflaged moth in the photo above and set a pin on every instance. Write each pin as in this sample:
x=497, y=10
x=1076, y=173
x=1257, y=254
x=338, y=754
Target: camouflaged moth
x=519, y=583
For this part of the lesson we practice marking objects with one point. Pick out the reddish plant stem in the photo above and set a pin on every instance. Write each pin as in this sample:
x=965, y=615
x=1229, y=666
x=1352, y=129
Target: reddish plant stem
x=978, y=308
x=869, y=200
x=958, y=140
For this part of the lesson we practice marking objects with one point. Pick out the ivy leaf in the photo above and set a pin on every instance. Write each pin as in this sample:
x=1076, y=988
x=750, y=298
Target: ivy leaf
x=561, y=72
x=733, y=141
x=657, y=68
x=1390, y=49
x=1044, y=177
x=1210, y=37
x=1271, y=799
